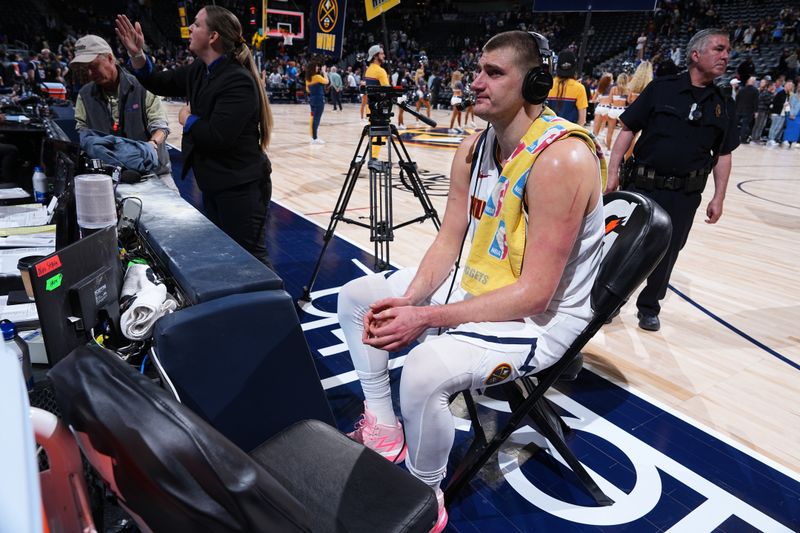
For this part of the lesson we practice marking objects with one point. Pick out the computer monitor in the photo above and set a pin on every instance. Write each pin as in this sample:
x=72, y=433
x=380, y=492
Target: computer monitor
x=76, y=289
x=62, y=160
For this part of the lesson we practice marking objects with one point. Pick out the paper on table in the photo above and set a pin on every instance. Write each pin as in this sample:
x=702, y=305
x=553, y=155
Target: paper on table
x=13, y=193
x=10, y=258
x=19, y=216
x=18, y=313
x=36, y=240
x=27, y=230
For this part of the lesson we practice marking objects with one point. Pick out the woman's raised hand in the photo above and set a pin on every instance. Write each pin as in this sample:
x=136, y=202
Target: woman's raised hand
x=130, y=36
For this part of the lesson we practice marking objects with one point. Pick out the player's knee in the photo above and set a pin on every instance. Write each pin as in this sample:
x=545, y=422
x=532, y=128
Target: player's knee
x=354, y=293
x=423, y=374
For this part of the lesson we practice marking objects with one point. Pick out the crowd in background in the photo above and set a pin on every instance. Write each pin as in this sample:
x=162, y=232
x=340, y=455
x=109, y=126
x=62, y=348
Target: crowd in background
x=282, y=65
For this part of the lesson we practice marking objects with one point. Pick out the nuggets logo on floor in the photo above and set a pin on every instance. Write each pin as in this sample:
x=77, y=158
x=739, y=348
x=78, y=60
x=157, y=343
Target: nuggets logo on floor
x=500, y=373
x=436, y=136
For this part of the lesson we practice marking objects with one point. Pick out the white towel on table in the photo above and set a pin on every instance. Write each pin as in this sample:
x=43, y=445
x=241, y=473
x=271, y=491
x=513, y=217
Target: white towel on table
x=143, y=300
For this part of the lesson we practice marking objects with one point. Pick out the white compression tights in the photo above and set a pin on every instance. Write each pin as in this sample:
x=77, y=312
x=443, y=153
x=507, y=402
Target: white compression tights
x=433, y=371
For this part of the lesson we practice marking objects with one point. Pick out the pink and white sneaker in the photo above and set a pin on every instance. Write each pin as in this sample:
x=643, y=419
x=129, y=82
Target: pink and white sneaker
x=441, y=522
x=389, y=441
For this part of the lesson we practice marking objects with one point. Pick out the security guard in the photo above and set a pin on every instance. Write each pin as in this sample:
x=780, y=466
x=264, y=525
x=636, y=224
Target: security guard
x=689, y=129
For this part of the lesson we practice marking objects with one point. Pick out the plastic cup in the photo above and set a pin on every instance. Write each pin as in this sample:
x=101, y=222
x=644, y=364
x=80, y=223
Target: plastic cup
x=94, y=201
x=23, y=265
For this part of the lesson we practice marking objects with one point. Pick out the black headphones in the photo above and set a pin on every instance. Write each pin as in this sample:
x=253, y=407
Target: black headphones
x=538, y=81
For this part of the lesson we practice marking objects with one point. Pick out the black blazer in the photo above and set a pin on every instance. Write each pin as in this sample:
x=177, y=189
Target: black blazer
x=222, y=144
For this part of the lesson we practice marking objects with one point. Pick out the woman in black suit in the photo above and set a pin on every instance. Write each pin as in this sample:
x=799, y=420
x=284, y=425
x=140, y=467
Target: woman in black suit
x=226, y=125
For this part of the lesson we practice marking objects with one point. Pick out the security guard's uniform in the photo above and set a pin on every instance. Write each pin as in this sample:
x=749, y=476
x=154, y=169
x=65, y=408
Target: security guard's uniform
x=684, y=131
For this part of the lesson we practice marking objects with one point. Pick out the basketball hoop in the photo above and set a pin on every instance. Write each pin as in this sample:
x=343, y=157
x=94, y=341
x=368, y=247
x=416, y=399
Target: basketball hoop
x=286, y=35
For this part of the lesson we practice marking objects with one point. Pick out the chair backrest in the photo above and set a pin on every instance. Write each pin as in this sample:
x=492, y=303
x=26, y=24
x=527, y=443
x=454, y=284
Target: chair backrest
x=637, y=236
x=170, y=467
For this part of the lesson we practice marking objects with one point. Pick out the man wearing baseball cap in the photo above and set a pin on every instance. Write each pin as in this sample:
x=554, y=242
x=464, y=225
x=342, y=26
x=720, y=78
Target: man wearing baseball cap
x=375, y=74
x=568, y=96
x=115, y=103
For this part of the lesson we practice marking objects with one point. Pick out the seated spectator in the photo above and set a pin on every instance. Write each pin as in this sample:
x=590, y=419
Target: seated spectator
x=114, y=102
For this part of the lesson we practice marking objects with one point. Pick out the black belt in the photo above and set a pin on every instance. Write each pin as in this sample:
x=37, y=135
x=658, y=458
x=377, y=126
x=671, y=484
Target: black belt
x=646, y=178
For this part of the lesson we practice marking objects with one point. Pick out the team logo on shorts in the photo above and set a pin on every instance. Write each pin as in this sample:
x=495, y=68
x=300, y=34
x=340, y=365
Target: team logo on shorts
x=499, y=247
x=500, y=373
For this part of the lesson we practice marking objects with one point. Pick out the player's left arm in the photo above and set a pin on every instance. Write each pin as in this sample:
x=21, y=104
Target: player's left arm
x=563, y=186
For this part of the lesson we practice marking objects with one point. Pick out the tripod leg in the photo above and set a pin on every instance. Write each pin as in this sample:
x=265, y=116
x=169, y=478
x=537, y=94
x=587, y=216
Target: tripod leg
x=410, y=168
x=381, y=230
x=341, y=206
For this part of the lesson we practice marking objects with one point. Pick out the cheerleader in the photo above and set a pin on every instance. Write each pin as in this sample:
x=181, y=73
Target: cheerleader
x=619, y=101
x=423, y=95
x=602, y=102
x=455, y=102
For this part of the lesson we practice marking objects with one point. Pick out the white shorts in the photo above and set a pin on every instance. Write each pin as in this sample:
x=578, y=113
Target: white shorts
x=615, y=112
x=455, y=100
x=550, y=333
x=601, y=110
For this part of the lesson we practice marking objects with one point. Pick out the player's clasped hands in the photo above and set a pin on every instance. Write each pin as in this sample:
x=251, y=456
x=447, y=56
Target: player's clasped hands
x=393, y=323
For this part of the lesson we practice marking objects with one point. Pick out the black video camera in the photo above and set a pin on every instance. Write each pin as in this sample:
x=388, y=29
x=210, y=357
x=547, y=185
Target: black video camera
x=380, y=100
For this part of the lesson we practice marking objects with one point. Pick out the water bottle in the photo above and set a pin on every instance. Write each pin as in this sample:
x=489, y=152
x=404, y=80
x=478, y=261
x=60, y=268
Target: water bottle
x=39, y=185
x=18, y=347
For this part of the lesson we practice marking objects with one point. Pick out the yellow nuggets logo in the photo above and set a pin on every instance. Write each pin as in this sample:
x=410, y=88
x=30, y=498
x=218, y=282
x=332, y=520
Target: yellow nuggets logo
x=327, y=15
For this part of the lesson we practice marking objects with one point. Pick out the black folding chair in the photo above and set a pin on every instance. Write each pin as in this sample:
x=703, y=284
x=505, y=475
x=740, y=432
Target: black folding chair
x=637, y=235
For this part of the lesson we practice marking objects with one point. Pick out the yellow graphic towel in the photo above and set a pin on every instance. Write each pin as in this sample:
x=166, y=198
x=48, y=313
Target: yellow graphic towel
x=495, y=257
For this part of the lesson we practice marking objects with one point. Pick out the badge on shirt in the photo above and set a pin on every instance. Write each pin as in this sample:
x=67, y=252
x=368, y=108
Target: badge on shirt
x=718, y=111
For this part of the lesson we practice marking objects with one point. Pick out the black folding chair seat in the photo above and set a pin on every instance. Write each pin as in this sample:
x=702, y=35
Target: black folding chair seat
x=637, y=236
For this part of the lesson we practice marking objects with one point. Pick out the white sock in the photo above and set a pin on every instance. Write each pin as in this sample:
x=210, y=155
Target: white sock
x=378, y=395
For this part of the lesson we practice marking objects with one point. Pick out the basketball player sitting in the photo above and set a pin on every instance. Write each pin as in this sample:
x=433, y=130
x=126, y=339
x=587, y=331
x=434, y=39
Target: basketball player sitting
x=528, y=192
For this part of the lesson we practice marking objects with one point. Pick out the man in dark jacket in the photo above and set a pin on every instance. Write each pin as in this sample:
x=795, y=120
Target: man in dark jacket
x=746, y=68
x=746, y=106
x=776, y=114
x=762, y=111
x=115, y=103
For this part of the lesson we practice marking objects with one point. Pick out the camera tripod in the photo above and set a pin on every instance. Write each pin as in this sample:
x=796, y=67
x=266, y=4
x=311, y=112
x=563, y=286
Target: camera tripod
x=378, y=132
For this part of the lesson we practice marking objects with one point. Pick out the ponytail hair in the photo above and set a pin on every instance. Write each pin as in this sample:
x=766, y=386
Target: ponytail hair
x=229, y=29
x=562, y=89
